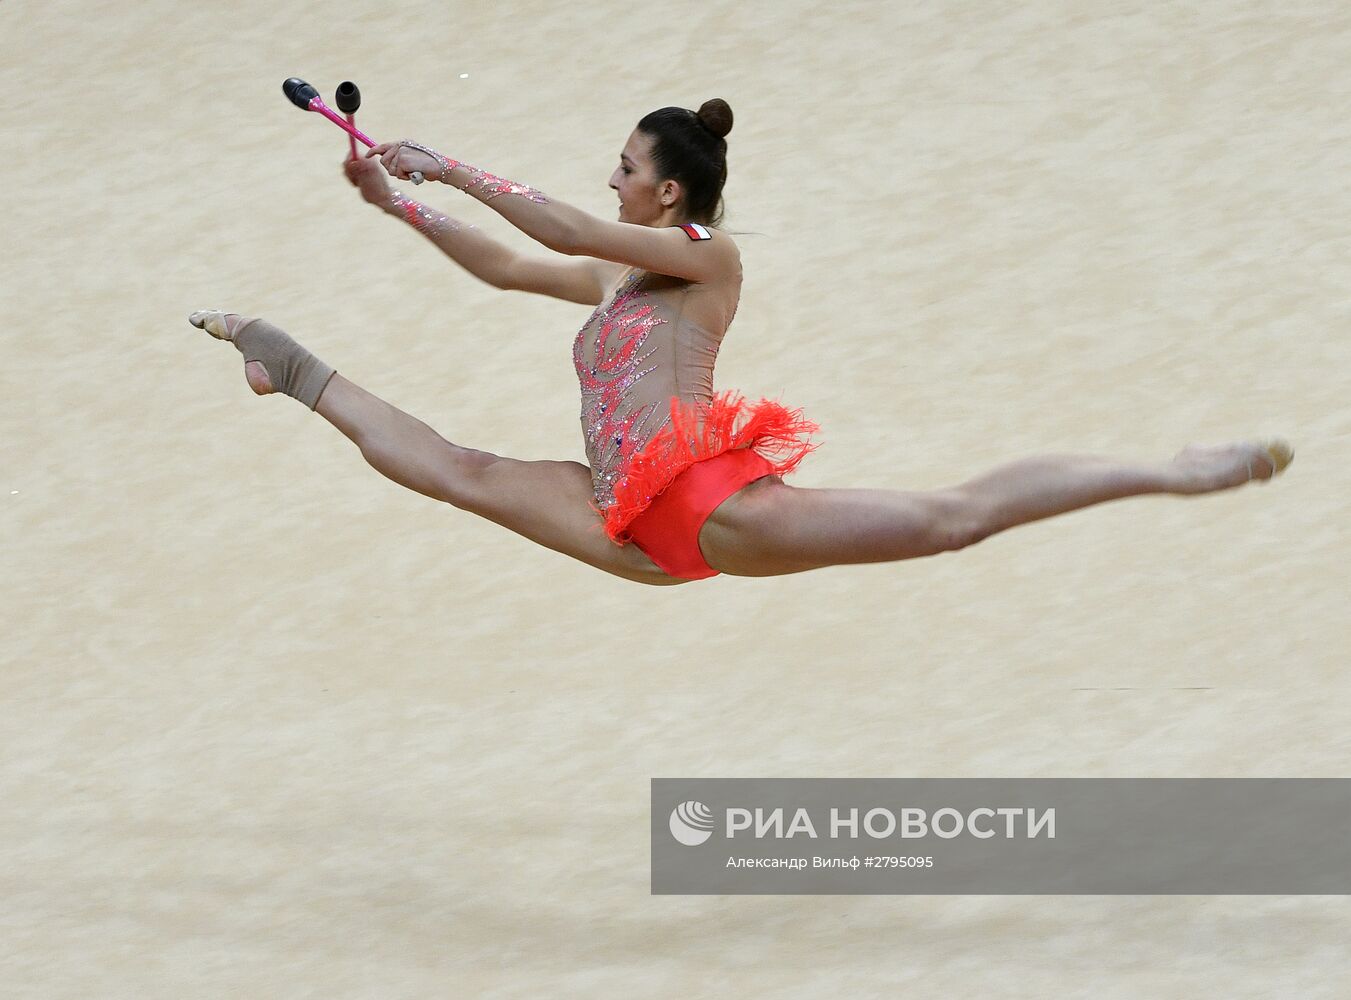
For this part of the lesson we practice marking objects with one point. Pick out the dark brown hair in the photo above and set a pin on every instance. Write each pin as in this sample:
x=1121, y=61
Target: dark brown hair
x=689, y=147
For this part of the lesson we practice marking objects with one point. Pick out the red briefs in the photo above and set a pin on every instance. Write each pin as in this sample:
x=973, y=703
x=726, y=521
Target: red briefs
x=704, y=454
x=668, y=530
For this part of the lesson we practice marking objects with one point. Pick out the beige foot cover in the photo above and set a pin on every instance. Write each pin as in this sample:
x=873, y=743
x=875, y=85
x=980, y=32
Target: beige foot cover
x=1278, y=453
x=291, y=368
x=1281, y=454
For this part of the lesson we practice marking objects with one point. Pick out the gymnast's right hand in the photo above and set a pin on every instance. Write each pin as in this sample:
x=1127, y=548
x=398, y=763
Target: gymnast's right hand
x=369, y=177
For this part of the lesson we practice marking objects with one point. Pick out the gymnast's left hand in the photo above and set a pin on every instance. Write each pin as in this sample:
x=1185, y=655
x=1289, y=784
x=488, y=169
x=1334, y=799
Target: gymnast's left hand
x=401, y=161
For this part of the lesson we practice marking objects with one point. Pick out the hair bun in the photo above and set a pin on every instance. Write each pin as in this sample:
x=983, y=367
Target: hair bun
x=716, y=116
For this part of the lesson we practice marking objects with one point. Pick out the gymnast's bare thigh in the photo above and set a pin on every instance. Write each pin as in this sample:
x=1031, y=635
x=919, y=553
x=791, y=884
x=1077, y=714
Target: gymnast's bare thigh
x=641, y=567
x=550, y=503
x=638, y=566
x=737, y=539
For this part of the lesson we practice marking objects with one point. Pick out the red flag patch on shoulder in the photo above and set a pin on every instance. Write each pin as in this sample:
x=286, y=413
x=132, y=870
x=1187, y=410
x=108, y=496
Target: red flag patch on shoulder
x=696, y=232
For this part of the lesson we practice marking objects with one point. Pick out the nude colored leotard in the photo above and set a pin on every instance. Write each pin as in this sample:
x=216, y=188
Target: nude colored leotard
x=632, y=356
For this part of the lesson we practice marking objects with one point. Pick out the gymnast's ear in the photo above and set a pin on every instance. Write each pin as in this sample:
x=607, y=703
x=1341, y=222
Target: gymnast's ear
x=669, y=192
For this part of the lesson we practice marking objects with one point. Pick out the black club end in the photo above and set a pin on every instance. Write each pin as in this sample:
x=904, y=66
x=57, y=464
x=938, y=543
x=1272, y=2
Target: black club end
x=299, y=93
x=347, y=97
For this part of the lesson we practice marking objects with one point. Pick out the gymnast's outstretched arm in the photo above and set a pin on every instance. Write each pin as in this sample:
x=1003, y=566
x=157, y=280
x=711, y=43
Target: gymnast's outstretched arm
x=566, y=229
x=582, y=281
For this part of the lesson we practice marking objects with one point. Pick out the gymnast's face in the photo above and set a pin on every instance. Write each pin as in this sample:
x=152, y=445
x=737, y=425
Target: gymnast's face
x=644, y=198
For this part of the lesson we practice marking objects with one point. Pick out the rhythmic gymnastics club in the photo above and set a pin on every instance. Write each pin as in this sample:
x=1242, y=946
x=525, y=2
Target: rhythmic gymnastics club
x=306, y=98
x=348, y=99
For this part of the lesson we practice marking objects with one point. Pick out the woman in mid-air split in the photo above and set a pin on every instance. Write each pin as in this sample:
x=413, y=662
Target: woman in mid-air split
x=683, y=483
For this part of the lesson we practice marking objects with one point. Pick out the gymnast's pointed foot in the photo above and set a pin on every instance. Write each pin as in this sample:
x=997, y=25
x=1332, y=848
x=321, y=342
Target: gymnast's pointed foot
x=273, y=361
x=1207, y=468
x=223, y=326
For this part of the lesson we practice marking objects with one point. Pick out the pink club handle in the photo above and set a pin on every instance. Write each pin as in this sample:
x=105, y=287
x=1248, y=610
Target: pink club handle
x=317, y=104
x=351, y=139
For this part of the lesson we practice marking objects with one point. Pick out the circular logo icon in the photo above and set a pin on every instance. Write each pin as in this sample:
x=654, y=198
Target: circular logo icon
x=691, y=823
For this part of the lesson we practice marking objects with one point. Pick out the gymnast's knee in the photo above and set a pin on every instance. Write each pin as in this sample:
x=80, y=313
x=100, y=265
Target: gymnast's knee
x=467, y=479
x=962, y=520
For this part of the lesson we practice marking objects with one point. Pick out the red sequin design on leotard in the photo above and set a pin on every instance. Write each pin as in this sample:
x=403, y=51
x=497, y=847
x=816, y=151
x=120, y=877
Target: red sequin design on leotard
x=614, y=436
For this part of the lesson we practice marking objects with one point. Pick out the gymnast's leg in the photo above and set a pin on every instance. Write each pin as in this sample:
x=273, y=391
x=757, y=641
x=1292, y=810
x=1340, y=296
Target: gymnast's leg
x=770, y=528
x=547, y=502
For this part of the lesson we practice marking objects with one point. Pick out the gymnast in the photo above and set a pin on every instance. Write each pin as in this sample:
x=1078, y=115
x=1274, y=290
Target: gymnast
x=683, y=483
